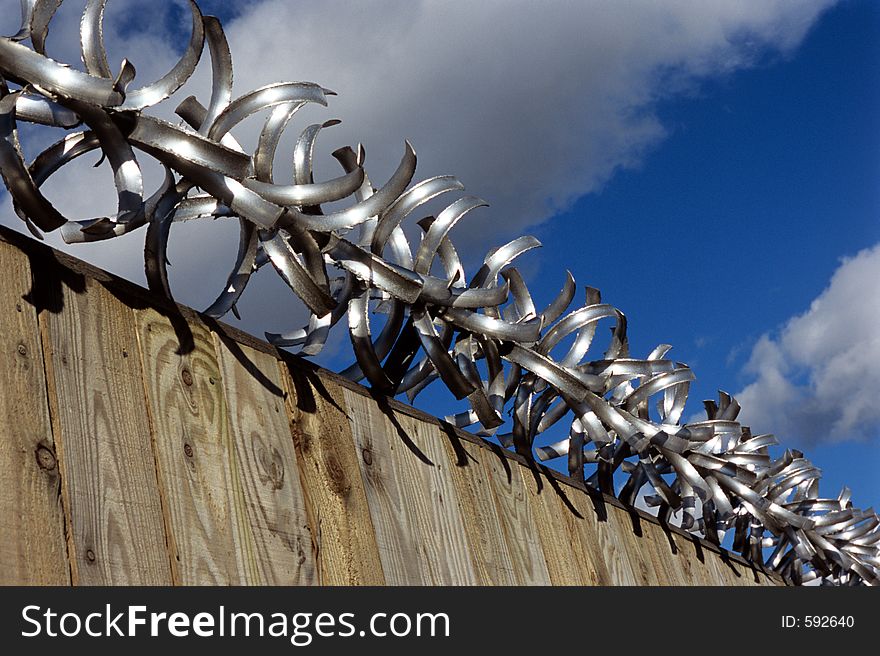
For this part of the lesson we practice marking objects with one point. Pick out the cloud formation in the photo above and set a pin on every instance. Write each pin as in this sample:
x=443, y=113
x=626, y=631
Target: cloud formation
x=816, y=379
x=532, y=105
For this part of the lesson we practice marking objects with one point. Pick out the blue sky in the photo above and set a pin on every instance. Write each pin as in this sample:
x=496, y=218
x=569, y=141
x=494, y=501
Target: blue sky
x=738, y=220
x=735, y=221
x=707, y=165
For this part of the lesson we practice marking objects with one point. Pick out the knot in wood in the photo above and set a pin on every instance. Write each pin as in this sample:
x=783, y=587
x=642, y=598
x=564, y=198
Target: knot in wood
x=45, y=458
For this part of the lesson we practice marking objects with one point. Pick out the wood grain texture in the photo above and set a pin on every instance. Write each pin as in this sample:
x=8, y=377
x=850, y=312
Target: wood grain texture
x=116, y=532
x=396, y=537
x=570, y=556
x=637, y=545
x=515, y=518
x=335, y=499
x=611, y=531
x=694, y=561
x=277, y=546
x=490, y=552
x=433, y=502
x=686, y=558
x=126, y=460
x=657, y=545
x=32, y=547
x=732, y=573
x=413, y=501
x=203, y=502
x=713, y=569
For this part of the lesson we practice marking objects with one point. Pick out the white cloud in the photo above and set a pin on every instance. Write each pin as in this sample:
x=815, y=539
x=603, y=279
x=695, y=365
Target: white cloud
x=816, y=379
x=530, y=104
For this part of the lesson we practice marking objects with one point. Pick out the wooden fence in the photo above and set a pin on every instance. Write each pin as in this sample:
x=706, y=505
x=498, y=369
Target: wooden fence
x=141, y=443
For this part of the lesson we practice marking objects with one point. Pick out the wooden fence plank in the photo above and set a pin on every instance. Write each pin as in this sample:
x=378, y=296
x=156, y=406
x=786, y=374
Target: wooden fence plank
x=334, y=491
x=714, y=569
x=413, y=501
x=694, y=557
x=197, y=472
x=583, y=518
x=493, y=564
x=515, y=519
x=638, y=541
x=32, y=549
x=432, y=501
x=635, y=548
x=108, y=472
x=396, y=536
x=754, y=576
x=668, y=564
x=124, y=461
x=734, y=573
x=280, y=551
x=570, y=558
x=682, y=555
x=612, y=531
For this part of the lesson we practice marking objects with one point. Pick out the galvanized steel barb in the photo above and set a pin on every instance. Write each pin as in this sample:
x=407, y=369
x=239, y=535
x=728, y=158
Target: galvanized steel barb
x=483, y=336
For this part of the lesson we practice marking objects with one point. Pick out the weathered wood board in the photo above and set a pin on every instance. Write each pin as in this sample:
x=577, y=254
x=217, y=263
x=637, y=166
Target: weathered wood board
x=279, y=549
x=142, y=444
x=32, y=547
x=412, y=497
x=116, y=531
x=515, y=518
x=195, y=455
x=334, y=491
x=490, y=553
x=570, y=556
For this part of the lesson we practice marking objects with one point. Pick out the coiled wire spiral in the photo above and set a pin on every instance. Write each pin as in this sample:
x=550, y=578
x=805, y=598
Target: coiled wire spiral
x=482, y=336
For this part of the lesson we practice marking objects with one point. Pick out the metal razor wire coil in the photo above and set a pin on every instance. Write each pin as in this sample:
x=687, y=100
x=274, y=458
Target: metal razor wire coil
x=483, y=336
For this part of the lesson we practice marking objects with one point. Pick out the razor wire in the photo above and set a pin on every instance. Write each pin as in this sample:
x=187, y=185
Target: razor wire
x=482, y=336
